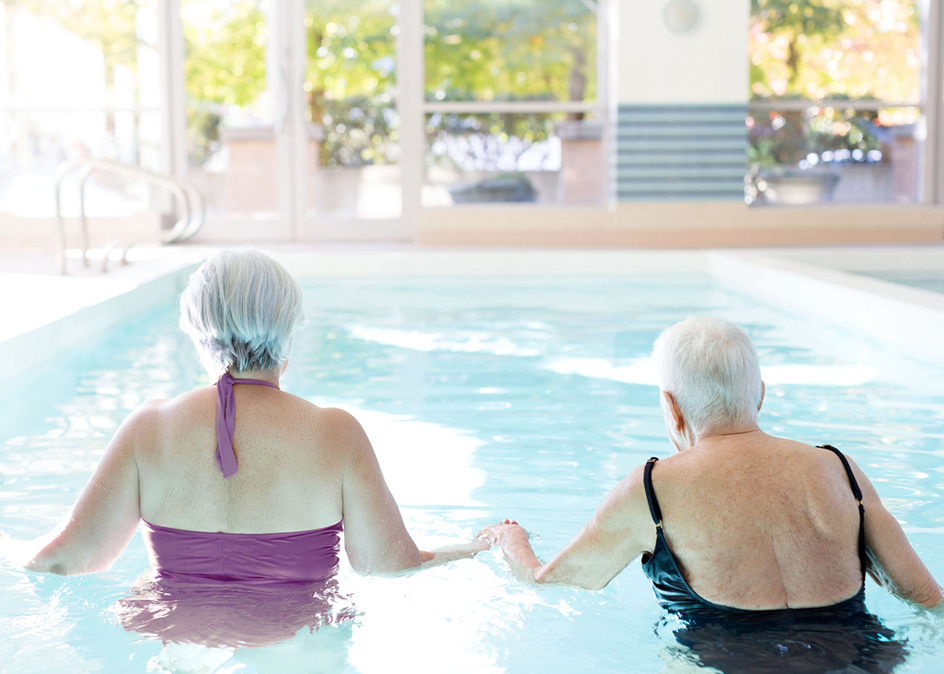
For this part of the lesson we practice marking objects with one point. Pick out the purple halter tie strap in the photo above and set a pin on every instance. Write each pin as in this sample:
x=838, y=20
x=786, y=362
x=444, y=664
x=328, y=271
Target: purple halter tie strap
x=226, y=421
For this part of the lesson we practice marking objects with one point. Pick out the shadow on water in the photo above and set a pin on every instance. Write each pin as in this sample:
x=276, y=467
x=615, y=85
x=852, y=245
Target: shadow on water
x=857, y=642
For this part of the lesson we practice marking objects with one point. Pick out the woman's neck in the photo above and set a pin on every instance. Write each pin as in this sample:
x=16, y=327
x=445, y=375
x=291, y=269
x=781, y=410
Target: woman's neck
x=725, y=435
x=269, y=376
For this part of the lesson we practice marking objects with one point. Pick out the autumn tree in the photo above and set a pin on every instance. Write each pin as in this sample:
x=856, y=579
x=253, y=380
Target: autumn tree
x=838, y=49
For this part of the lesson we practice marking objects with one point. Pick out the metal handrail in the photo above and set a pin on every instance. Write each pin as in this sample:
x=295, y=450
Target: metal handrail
x=186, y=194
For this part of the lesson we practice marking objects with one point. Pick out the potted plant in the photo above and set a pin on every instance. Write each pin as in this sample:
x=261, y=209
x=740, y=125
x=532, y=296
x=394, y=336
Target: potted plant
x=797, y=157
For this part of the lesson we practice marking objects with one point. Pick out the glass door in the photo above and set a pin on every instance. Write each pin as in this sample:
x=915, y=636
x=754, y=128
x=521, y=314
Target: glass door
x=237, y=136
x=347, y=132
x=513, y=102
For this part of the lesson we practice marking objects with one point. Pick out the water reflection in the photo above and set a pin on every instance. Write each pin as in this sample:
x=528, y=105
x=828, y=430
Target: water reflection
x=812, y=645
x=230, y=615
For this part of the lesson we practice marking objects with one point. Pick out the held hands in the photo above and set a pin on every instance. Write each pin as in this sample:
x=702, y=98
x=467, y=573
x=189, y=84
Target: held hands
x=503, y=533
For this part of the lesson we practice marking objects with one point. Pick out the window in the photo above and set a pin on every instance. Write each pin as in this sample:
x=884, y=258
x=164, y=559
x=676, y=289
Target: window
x=97, y=94
x=836, y=106
x=513, y=109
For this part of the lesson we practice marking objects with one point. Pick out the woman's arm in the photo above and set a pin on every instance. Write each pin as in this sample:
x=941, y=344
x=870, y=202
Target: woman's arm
x=894, y=564
x=102, y=520
x=448, y=553
x=619, y=531
x=375, y=538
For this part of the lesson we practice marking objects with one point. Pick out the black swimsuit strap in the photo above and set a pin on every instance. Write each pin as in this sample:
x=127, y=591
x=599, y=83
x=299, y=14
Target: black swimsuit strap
x=863, y=559
x=654, y=509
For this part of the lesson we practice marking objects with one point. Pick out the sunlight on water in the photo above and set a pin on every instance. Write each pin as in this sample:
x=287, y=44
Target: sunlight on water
x=415, y=454
x=464, y=342
x=484, y=400
x=643, y=372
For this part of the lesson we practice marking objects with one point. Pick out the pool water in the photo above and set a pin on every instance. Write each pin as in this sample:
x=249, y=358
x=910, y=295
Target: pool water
x=484, y=399
x=924, y=280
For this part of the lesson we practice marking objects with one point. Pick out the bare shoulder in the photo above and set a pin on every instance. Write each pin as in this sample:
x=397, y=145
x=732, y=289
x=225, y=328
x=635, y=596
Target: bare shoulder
x=338, y=420
x=801, y=454
x=821, y=463
x=341, y=430
x=626, y=498
x=826, y=457
x=869, y=494
x=141, y=431
x=631, y=486
x=168, y=421
x=165, y=413
x=147, y=416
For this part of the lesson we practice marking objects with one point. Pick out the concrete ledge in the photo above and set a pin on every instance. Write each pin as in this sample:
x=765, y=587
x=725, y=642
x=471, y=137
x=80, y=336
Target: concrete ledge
x=470, y=263
x=43, y=231
x=47, y=316
x=680, y=225
x=873, y=259
x=910, y=318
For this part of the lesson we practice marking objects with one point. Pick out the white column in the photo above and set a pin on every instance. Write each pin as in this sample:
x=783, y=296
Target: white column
x=280, y=67
x=173, y=101
x=298, y=39
x=932, y=174
x=607, y=75
x=411, y=75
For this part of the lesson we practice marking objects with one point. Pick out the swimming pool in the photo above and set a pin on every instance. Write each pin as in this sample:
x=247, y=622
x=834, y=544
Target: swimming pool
x=485, y=399
x=932, y=281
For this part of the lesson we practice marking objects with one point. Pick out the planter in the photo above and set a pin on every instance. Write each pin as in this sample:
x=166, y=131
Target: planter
x=503, y=188
x=796, y=187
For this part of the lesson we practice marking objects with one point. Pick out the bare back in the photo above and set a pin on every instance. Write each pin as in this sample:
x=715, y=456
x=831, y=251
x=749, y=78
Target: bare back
x=757, y=522
x=290, y=471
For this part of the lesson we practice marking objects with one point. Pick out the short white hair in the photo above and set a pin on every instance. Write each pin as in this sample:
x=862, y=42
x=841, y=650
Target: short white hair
x=710, y=367
x=241, y=308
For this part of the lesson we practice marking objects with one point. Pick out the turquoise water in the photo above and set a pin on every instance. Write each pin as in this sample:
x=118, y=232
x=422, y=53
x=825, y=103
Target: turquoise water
x=484, y=400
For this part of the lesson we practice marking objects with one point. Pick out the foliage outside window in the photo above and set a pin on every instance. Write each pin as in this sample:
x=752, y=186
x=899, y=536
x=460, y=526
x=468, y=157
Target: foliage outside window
x=224, y=63
x=830, y=49
x=489, y=50
x=480, y=50
x=351, y=80
x=507, y=50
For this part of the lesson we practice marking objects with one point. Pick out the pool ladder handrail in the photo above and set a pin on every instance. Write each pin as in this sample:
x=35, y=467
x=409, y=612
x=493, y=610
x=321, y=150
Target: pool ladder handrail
x=187, y=195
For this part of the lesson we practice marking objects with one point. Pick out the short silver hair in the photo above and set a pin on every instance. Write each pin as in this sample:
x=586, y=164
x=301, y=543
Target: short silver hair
x=241, y=308
x=710, y=367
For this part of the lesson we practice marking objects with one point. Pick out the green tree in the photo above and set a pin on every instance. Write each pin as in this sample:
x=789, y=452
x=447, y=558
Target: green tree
x=516, y=49
x=815, y=49
x=513, y=50
x=351, y=79
x=224, y=65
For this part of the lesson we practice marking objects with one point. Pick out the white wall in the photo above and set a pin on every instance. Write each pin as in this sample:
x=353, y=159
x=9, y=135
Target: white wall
x=706, y=65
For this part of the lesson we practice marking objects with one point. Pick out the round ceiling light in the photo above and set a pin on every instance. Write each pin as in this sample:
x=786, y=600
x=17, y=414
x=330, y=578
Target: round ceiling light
x=681, y=16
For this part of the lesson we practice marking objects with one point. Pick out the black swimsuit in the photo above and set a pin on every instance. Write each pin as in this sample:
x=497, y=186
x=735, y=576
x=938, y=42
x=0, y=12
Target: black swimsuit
x=675, y=594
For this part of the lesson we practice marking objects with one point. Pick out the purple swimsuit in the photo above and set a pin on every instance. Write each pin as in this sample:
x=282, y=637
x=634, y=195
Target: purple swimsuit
x=214, y=557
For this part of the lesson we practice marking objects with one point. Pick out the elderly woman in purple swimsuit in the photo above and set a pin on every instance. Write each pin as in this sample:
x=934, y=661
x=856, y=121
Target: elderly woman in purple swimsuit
x=260, y=501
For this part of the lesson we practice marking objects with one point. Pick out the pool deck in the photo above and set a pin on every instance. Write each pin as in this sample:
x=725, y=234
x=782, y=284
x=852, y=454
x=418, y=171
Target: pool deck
x=45, y=313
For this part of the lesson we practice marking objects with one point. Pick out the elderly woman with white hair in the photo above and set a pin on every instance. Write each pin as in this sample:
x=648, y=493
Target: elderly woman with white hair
x=260, y=501
x=737, y=522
